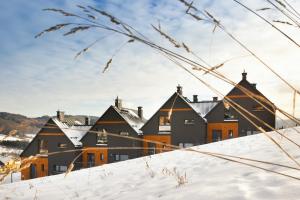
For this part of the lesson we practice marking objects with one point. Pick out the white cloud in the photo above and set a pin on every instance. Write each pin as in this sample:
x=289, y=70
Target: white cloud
x=40, y=76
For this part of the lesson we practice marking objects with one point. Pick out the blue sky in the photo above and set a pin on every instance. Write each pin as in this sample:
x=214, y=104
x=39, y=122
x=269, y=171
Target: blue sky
x=39, y=76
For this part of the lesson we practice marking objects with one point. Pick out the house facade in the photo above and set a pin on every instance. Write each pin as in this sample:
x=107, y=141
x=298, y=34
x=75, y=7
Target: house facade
x=110, y=135
x=56, y=145
x=224, y=122
x=179, y=121
x=122, y=133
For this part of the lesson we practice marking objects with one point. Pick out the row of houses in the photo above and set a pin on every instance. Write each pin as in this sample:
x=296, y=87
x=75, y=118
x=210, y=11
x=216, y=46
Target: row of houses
x=192, y=122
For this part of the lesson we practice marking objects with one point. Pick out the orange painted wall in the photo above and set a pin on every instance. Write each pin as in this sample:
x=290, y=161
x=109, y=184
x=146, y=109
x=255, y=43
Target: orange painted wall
x=157, y=138
x=25, y=173
x=97, y=151
x=225, y=127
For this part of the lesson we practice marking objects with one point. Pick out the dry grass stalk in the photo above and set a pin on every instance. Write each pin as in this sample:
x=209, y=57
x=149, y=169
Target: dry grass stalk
x=283, y=22
x=91, y=16
x=170, y=39
x=172, y=107
x=263, y=9
x=281, y=3
x=214, y=68
x=107, y=65
x=195, y=16
x=60, y=11
x=53, y=28
x=180, y=179
x=76, y=29
x=186, y=47
x=111, y=17
x=189, y=5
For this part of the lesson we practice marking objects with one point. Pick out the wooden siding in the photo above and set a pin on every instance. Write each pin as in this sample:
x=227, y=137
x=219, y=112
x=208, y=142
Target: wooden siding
x=224, y=127
x=157, y=138
x=40, y=172
x=97, y=152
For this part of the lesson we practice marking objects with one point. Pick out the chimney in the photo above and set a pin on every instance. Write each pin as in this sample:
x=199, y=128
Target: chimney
x=254, y=85
x=195, y=98
x=140, y=112
x=118, y=103
x=60, y=115
x=215, y=98
x=179, y=89
x=87, y=121
x=244, y=75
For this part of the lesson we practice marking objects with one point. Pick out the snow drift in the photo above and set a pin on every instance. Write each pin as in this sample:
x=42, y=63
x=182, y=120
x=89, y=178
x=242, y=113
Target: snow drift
x=179, y=175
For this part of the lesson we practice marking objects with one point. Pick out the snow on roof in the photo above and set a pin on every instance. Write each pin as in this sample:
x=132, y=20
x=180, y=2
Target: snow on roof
x=203, y=107
x=73, y=132
x=207, y=177
x=132, y=118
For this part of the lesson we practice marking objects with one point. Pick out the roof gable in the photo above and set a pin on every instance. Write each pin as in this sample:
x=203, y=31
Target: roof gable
x=173, y=98
x=251, y=87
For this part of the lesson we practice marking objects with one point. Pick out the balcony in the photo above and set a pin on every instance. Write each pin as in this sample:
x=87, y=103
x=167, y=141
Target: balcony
x=164, y=129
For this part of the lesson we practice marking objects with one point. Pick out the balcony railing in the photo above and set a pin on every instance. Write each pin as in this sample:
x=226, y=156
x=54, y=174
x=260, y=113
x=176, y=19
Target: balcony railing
x=164, y=128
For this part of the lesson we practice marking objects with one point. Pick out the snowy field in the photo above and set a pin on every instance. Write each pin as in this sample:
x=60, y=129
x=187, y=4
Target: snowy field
x=154, y=177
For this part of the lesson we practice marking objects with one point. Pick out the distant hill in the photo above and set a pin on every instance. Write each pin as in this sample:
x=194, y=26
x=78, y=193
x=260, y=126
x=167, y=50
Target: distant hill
x=25, y=125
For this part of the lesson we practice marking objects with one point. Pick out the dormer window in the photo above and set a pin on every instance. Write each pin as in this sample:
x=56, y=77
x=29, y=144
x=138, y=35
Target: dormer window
x=43, y=146
x=164, y=123
x=227, y=111
x=102, y=138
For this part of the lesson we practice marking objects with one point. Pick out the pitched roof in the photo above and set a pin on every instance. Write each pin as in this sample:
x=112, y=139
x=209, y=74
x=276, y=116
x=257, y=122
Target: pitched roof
x=203, y=107
x=200, y=107
x=131, y=117
x=73, y=132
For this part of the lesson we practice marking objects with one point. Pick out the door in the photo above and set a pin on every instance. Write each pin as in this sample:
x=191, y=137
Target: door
x=151, y=148
x=33, y=171
x=216, y=135
x=91, y=159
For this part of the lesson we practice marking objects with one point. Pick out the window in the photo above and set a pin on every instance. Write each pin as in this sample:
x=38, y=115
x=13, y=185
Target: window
x=227, y=111
x=101, y=156
x=216, y=135
x=59, y=168
x=151, y=148
x=61, y=145
x=185, y=145
x=124, y=133
x=43, y=146
x=43, y=167
x=91, y=159
x=102, y=138
x=164, y=123
x=249, y=132
x=230, y=134
x=189, y=121
x=256, y=132
x=124, y=157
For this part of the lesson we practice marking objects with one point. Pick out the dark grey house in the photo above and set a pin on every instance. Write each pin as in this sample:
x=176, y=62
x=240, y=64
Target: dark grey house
x=179, y=122
x=112, y=131
x=57, y=136
x=224, y=122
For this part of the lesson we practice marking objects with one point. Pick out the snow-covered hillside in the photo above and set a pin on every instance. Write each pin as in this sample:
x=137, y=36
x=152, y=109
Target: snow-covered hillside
x=156, y=177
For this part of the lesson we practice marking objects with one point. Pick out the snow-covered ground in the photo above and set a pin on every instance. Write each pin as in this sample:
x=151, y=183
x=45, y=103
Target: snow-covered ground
x=154, y=177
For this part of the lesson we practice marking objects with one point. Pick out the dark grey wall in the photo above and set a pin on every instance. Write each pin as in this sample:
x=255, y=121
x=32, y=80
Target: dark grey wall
x=217, y=114
x=180, y=133
x=64, y=159
x=112, y=115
